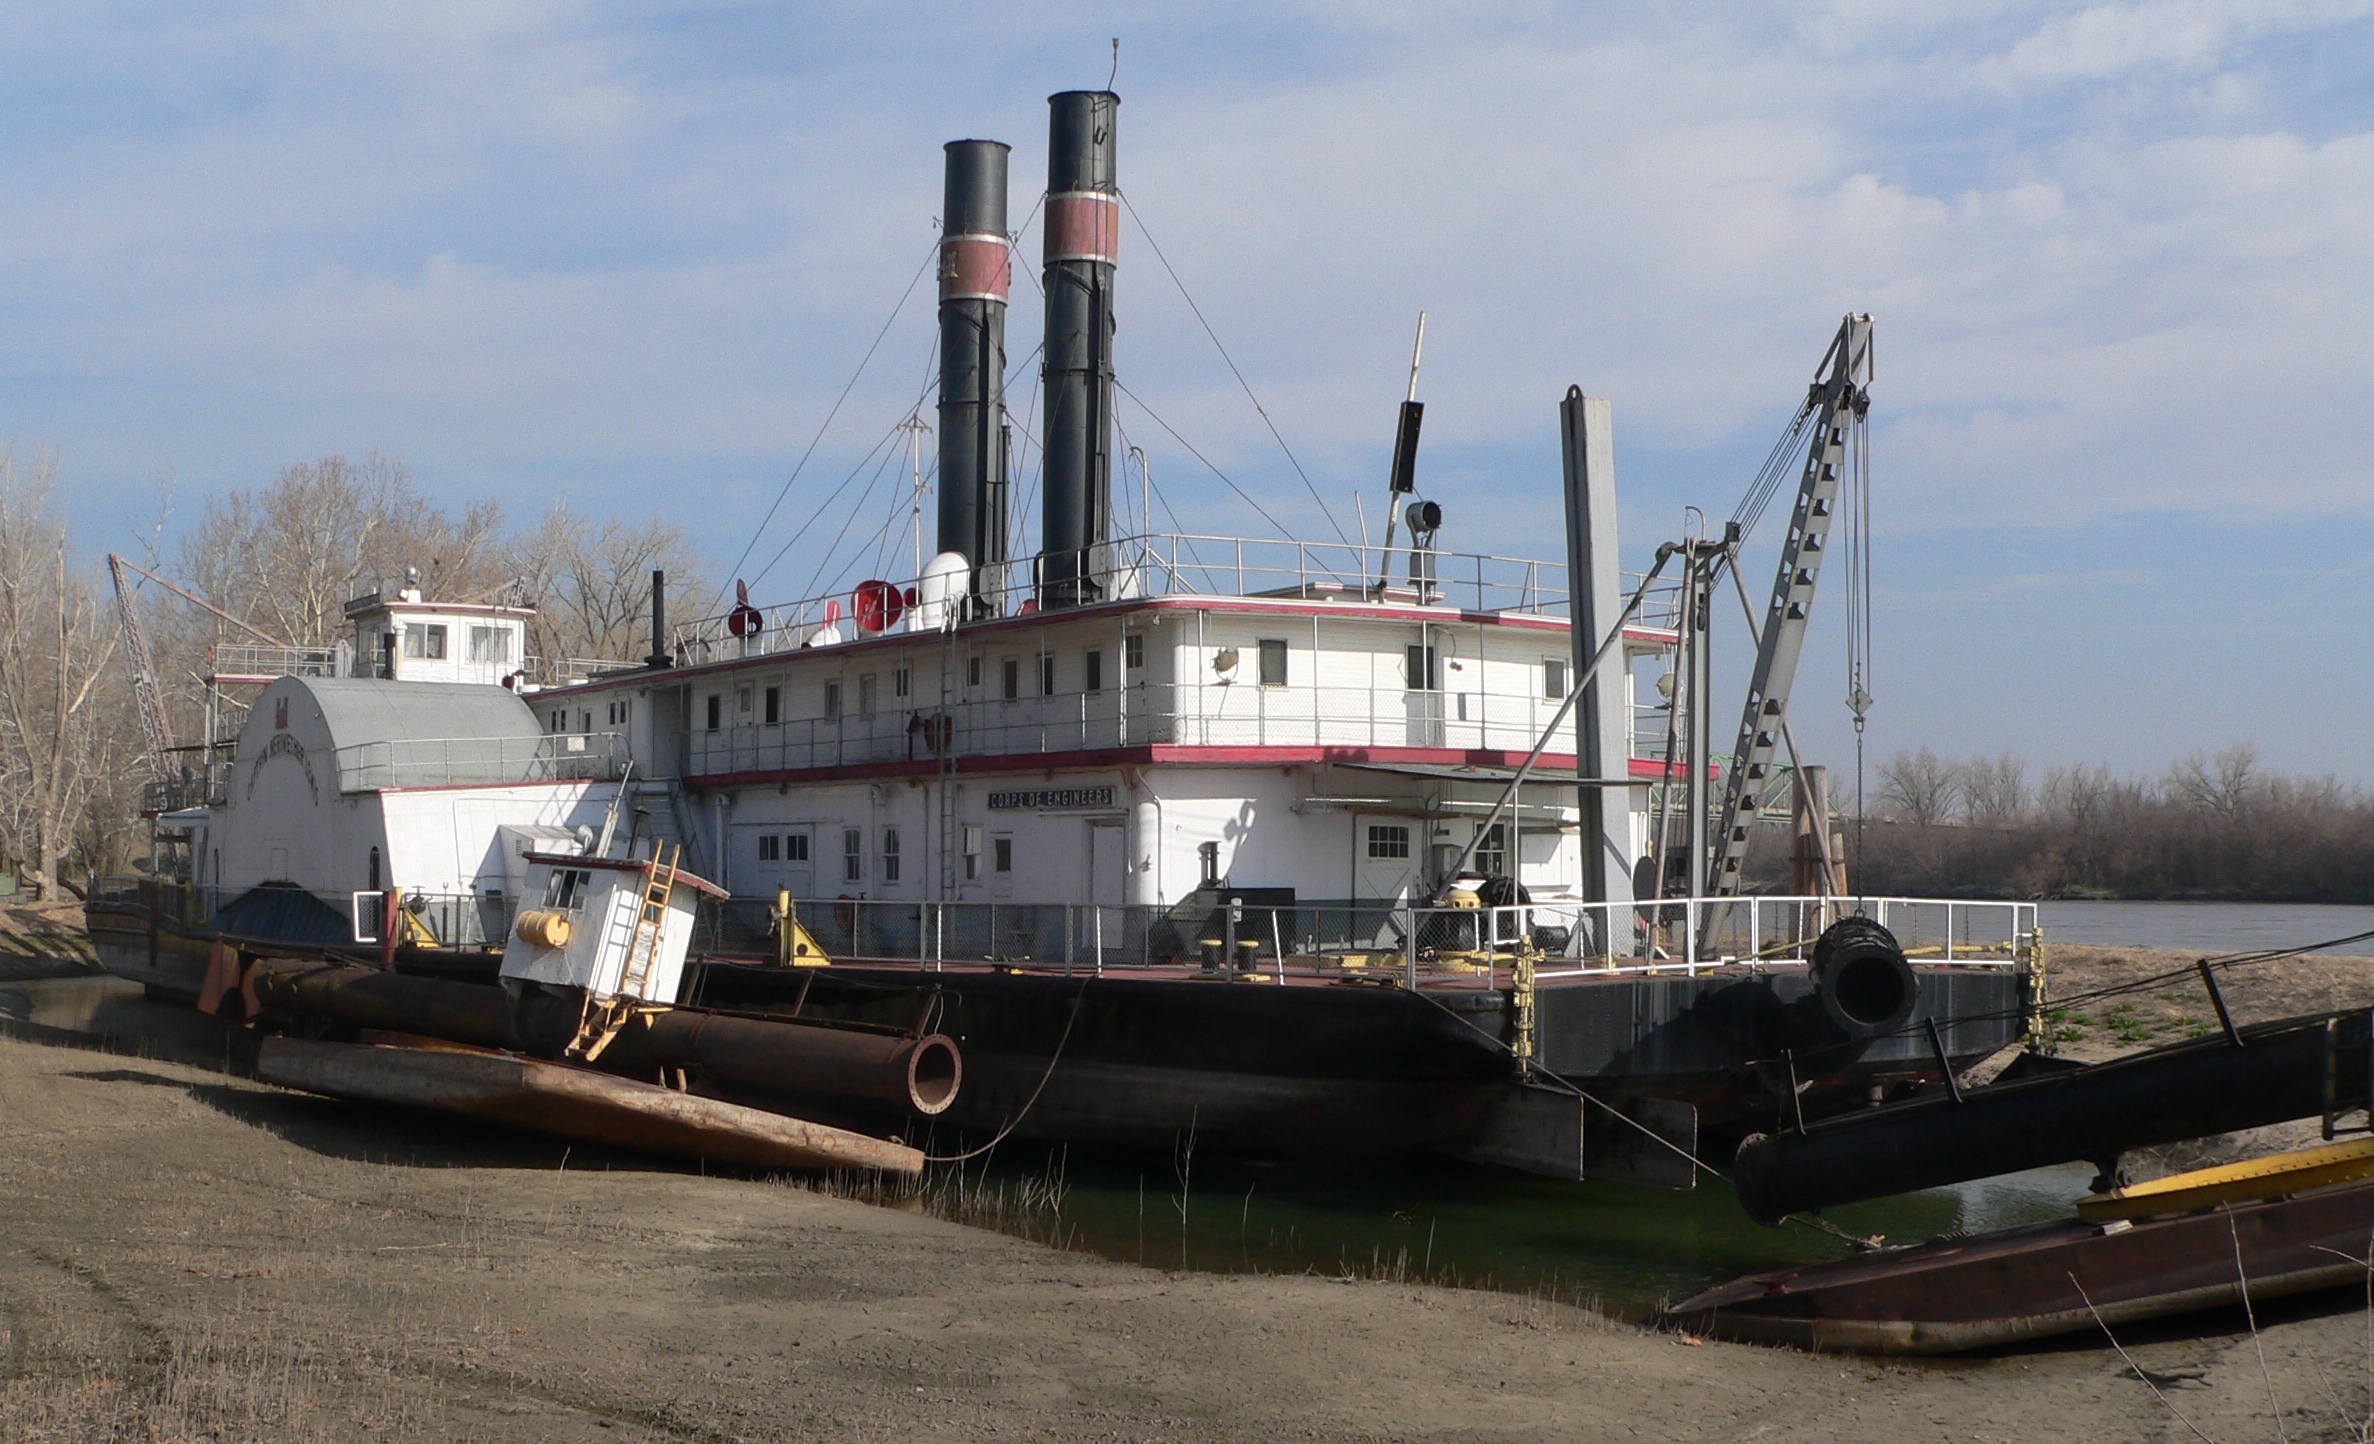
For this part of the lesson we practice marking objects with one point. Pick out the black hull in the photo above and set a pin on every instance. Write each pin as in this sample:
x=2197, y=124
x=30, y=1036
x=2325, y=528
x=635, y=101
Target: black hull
x=1357, y=1070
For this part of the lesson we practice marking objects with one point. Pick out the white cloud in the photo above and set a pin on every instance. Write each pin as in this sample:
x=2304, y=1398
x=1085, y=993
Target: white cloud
x=2102, y=41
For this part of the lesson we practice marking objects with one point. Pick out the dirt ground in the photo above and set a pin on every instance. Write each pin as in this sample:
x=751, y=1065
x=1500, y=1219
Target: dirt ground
x=185, y=1255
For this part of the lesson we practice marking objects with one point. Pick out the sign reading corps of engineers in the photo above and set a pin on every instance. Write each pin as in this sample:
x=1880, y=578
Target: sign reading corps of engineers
x=1052, y=798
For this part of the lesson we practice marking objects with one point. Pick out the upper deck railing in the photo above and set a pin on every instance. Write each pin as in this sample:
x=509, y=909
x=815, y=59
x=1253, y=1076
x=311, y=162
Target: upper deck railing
x=1171, y=564
x=245, y=661
x=463, y=761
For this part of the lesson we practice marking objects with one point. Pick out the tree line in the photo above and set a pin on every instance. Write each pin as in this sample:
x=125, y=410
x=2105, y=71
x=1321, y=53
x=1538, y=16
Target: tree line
x=2212, y=826
x=283, y=557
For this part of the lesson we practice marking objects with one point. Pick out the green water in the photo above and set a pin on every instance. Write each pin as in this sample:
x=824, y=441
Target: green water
x=1626, y=1248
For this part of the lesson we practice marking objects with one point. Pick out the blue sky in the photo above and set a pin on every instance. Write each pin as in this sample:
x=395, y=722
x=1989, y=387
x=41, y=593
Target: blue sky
x=2118, y=259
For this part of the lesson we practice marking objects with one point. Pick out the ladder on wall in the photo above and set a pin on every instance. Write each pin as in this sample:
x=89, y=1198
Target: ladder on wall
x=643, y=942
x=601, y=1019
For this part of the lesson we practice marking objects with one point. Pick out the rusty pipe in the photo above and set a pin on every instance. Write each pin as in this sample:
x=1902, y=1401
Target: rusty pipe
x=373, y=998
x=782, y=1056
x=774, y=1055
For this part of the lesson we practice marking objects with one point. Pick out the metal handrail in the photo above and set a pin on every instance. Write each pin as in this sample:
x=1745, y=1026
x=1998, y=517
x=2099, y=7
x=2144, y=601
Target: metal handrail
x=450, y=761
x=1188, y=564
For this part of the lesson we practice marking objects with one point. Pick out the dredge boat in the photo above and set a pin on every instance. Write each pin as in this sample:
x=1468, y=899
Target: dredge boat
x=1303, y=849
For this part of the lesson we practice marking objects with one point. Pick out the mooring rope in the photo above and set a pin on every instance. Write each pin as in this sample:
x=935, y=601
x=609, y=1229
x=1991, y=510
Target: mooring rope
x=1016, y=1121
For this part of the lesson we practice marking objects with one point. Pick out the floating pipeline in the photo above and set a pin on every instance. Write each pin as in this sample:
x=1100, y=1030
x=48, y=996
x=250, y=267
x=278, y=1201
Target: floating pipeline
x=2264, y=1074
x=808, y=1059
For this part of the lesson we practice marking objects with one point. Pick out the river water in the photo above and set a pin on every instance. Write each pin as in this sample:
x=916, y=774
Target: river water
x=1623, y=1247
x=2206, y=927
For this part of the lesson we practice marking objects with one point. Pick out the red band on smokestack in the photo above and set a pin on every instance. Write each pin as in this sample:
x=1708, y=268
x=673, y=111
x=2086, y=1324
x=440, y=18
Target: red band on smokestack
x=975, y=268
x=1083, y=226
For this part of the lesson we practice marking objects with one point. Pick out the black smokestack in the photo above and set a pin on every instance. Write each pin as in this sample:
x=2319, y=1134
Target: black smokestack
x=974, y=272
x=659, y=622
x=1083, y=232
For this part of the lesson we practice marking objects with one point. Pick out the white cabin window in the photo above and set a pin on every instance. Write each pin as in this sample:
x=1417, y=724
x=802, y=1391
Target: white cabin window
x=832, y=701
x=1388, y=841
x=1422, y=669
x=1001, y=854
x=566, y=888
x=972, y=854
x=1094, y=668
x=795, y=847
x=1491, y=857
x=742, y=702
x=774, y=704
x=902, y=682
x=618, y=713
x=716, y=709
x=490, y=644
x=1133, y=651
x=1046, y=674
x=866, y=693
x=425, y=641
x=890, y=855
x=1553, y=676
x=1273, y=661
x=972, y=670
x=1013, y=678
x=770, y=847
x=853, y=855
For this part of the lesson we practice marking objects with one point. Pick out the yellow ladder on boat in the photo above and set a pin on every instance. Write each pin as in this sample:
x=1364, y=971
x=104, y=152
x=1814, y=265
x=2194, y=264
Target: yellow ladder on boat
x=599, y=1021
x=643, y=944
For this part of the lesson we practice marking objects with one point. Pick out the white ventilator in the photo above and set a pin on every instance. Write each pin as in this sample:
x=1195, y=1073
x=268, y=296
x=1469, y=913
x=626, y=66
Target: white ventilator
x=939, y=592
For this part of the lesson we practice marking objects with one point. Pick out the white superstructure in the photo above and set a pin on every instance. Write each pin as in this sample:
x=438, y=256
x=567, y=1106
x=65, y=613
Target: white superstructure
x=1341, y=741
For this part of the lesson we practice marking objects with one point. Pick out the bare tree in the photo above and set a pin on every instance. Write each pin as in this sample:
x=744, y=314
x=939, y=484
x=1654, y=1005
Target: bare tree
x=2222, y=784
x=289, y=556
x=590, y=582
x=1921, y=786
x=58, y=745
x=1995, y=790
x=2076, y=795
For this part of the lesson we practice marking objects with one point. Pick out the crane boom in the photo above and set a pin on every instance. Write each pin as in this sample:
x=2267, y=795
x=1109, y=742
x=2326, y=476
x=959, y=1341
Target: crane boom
x=145, y=691
x=1840, y=401
x=117, y=566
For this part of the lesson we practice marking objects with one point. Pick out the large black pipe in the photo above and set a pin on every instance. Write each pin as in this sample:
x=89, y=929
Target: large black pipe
x=800, y=1059
x=810, y=1059
x=975, y=269
x=2297, y=1068
x=1083, y=233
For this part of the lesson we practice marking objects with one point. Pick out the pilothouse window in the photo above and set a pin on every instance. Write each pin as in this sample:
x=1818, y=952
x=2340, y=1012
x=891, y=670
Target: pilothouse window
x=490, y=644
x=566, y=888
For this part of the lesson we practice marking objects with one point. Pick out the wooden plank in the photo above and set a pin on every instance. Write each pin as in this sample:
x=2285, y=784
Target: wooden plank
x=575, y=1103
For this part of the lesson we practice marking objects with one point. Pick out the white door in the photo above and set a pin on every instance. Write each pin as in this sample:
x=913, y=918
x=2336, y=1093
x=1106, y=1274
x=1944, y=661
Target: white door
x=1108, y=864
x=1385, y=855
